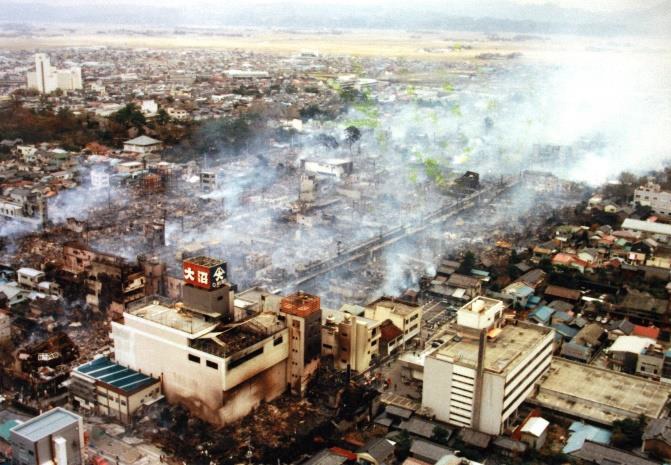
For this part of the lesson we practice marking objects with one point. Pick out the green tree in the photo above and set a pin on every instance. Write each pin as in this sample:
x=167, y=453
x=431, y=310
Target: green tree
x=403, y=445
x=627, y=433
x=440, y=435
x=162, y=117
x=352, y=135
x=545, y=264
x=129, y=116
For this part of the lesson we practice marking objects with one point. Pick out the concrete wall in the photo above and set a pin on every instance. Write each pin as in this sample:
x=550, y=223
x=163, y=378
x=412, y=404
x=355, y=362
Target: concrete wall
x=217, y=395
x=43, y=450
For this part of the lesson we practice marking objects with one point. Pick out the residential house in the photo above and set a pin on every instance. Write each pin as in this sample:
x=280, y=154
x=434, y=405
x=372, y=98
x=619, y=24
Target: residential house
x=585, y=344
x=377, y=451
x=657, y=438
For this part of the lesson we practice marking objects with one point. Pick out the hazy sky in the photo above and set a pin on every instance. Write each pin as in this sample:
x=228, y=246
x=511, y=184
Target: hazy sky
x=590, y=5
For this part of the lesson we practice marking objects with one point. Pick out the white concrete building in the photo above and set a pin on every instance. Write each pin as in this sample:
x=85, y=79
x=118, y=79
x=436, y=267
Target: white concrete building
x=29, y=277
x=351, y=340
x=178, y=114
x=107, y=388
x=337, y=167
x=47, y=79
x=479, y=376
x=405, y=316
x=653, y=196
x=149, y=108
x=56, y=436
x=142, y=145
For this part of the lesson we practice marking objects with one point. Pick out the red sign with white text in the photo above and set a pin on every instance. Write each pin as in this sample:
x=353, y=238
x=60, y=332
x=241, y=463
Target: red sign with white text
x=205, y=277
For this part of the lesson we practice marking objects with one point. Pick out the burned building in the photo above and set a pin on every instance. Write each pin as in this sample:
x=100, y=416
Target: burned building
x=303, y=317
x=219, y=361
x=25, y=205
x=219, y=371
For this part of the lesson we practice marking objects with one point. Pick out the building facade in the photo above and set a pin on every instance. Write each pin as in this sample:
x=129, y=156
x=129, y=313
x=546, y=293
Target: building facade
x=353, y=341
x=652, y=195
x=483, y=372
x=107, y=388
x=405, y=316
x=47, y=79
x=56, y=436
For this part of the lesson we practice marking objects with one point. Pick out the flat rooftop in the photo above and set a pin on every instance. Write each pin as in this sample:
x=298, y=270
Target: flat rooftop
x=481, y=304
x=46, y=424
x=502, y=354
x=234, y=337
x=108, y=372
x=175, y=318
x=396, y=306
x=570, y=387
x=205, y=261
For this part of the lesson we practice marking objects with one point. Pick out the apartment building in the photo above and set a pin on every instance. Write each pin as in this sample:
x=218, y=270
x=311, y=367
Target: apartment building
x=405, y=315
x=47, y=79
x=302, y=313
x=653, y=196
x=479, y=376
x=353, y=341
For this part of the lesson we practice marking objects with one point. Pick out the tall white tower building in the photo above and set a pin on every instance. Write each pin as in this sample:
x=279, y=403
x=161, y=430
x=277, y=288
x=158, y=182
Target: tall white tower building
x=47, y=79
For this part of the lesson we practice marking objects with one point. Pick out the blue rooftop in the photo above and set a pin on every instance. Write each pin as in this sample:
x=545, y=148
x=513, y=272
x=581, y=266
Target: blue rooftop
x=5, y=427
x=542, y=314
x=565, y=330
x=580, y=432
x=108, y=372
x=533, y=300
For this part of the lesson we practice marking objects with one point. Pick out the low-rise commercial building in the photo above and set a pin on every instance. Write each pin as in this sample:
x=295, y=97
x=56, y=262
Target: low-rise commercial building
x=104, y=387
x=570, y=388
x=56, y=436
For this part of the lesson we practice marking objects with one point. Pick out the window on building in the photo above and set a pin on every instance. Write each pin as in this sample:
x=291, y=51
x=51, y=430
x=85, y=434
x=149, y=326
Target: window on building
x=278, y=341
x=194, y=358
x=374, y=343
x=212, y=364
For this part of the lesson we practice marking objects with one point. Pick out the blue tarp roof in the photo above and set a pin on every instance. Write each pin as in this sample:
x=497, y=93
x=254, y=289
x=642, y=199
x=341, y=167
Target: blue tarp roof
x=5, y=427
x=565, y=330
x=581, y=432
x=533, y=300
x=106, y=371
x=542, y=314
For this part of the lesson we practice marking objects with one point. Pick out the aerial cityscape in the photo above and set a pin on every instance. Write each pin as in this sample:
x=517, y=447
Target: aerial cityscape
x=305, y=232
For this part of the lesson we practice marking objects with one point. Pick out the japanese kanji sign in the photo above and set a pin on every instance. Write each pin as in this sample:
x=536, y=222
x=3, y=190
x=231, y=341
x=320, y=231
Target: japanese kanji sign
x=203, y=276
